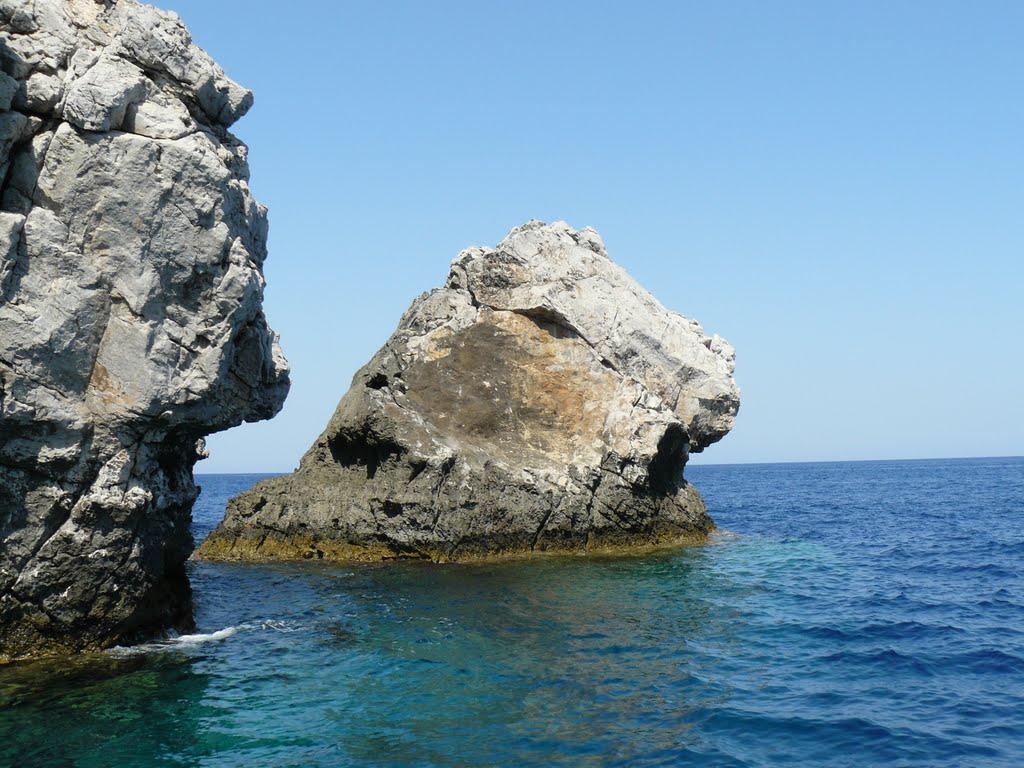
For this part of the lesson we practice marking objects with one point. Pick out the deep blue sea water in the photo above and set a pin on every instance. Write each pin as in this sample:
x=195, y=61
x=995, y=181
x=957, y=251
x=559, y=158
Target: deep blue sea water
x=853, y=614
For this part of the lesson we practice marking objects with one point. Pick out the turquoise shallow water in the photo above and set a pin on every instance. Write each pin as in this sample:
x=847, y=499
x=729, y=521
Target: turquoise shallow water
x=857, y=614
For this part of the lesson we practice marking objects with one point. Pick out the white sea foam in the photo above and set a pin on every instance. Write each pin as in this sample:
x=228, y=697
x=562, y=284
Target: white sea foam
x=279, y=626
x=176, y=641
x=187, y=641
x=220, y=634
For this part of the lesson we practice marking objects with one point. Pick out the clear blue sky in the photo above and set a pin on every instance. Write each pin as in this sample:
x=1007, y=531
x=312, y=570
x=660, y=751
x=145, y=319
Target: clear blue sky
x=836, y=188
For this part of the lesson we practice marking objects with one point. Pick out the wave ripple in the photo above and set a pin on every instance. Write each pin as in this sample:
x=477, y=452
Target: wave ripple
x=856, y=614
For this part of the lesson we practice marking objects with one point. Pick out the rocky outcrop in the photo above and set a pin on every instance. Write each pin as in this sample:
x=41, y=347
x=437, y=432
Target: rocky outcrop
x=131, y=326
x=540, y=401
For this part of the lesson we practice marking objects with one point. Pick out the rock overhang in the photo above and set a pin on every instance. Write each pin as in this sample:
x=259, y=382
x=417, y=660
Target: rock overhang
x=131, y=320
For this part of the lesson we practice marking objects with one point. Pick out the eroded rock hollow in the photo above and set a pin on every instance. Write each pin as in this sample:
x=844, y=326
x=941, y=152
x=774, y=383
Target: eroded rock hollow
x=131, y=326
x=540, y=401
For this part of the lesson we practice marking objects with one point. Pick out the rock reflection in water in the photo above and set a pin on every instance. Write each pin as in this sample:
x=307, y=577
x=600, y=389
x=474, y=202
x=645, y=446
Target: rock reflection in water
x=566, y=657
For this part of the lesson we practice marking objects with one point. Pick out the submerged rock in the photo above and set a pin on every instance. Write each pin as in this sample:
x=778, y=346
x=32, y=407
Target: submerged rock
x=540, y=401
x=131, y=285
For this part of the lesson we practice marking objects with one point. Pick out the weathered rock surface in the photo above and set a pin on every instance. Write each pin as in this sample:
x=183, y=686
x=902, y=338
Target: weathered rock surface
x=540, y=401
x=131, y=326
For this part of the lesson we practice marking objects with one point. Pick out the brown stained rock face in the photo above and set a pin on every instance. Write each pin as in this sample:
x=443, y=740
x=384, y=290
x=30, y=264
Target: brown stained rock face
x=541, y=401
x=519, y=389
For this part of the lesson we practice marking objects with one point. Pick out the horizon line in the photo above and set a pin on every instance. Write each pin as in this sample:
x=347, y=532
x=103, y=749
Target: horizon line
x=736, y=463
x=854, y=461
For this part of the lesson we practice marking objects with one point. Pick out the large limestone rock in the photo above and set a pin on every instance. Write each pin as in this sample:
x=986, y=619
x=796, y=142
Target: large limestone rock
x=540, y=401
x=130, y=314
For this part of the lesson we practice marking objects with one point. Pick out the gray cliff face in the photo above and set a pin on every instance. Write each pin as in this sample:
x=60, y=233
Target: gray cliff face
x=540, y=401
x=131, y=284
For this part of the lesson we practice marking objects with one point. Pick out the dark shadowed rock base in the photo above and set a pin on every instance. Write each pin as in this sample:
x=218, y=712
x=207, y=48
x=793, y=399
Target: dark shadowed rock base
x=447, y=514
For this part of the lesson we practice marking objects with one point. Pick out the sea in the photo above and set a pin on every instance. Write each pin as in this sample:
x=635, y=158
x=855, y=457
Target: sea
x=846, y=614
